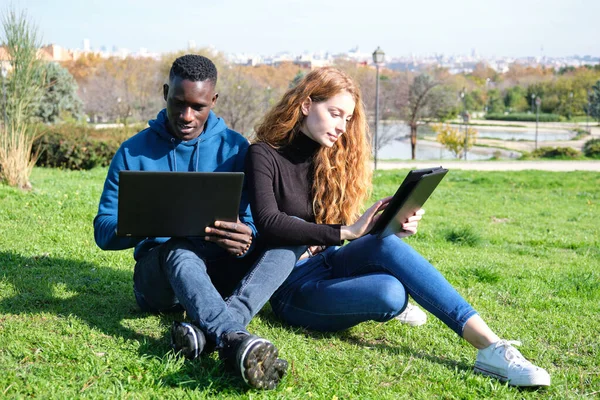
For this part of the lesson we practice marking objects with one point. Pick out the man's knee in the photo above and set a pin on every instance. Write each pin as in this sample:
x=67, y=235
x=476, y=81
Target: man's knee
x=178, y=252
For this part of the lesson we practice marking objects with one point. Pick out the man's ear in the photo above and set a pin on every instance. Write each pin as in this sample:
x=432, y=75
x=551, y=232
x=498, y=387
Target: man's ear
x=165, y=91
x=214, y=100
x=306, y=106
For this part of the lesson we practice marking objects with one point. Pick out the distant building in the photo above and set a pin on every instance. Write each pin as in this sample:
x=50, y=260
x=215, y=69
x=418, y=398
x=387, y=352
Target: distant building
x=54, y=52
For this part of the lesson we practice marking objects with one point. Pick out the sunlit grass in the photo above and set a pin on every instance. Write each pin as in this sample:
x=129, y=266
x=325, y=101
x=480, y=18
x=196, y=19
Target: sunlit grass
x=522, y=247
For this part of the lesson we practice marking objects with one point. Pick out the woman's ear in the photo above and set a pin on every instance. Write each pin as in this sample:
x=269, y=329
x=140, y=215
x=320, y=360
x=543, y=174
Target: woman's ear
x=306, y=106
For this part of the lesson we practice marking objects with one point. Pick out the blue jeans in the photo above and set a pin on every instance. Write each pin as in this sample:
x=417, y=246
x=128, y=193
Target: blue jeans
x=195, y=275
x=368, y=279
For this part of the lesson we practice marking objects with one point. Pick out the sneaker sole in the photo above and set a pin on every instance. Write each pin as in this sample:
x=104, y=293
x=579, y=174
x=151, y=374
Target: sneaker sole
x=259, y=365
x=413, y=322
x=181, y=343
x=528, y=380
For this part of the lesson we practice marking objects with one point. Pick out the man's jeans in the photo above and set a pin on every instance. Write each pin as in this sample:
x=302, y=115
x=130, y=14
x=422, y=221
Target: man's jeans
x=180, y=272
x=368, y=279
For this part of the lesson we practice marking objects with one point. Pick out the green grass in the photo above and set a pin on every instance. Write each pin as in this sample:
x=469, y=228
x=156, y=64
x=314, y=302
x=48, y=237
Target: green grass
x=522, y=247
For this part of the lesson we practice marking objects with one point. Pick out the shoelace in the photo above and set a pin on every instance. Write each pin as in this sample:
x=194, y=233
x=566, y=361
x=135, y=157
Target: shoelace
x=511, y=354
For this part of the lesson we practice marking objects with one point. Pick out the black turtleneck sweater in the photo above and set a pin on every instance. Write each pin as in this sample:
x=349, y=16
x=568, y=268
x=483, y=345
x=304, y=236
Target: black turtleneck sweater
x=280, y=188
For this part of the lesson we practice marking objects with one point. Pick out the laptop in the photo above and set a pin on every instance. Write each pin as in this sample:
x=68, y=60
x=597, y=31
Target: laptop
x=176, y=204
x=414, y=191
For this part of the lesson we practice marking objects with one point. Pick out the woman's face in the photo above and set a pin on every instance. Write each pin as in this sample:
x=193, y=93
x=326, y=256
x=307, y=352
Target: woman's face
x=326, y=121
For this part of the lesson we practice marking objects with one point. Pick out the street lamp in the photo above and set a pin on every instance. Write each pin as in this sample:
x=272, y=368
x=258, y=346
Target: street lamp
x=532, y=99
x=4, y=72
x=538, y=103
x=378, y=59
x=570, y=104
x=464, y=118
x=587, y=114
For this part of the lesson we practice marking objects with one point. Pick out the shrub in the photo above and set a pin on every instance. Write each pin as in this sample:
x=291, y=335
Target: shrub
x=524, y=117
x=556, y=152
x=60, y=152
x=78, y=147
x=591, y=148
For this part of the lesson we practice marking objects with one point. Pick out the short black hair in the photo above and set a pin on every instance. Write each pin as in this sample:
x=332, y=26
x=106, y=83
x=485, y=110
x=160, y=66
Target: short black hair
x=194, y=68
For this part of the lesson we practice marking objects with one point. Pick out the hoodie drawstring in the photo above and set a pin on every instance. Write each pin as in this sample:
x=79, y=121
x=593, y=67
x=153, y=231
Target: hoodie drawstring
x=197, y=154
x=174, y=153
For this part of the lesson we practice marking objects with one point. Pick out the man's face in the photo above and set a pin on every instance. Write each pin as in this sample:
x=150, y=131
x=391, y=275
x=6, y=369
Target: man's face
x=188, y=106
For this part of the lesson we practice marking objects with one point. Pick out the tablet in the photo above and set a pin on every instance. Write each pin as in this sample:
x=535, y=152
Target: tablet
x=176, y=204
x=414, y=191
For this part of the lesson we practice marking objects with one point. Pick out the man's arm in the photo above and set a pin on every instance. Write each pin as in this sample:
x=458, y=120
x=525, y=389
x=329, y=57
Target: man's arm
x=105, y=223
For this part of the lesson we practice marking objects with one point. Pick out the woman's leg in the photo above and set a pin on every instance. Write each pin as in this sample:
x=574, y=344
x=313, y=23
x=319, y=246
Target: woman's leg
x=314, y=299
x=421, y=280
x=477, y=333
x=497, y=358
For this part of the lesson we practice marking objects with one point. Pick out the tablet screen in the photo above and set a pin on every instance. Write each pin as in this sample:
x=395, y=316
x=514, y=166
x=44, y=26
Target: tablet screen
x=410, y=197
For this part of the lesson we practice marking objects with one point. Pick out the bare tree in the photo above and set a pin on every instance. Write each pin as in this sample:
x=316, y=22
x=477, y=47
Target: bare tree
x=242, y=101
x=419, y=98
x=123, y=89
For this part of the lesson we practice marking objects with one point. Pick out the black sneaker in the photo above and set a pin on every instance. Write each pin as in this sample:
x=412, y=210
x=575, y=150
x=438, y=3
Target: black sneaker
x=254, y=358
x=187, y=340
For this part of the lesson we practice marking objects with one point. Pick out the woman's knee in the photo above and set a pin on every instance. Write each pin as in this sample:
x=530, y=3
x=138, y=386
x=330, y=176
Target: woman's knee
x=390, y=296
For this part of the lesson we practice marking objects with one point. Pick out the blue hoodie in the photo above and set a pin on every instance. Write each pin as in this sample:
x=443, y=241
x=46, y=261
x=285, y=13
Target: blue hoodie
x=217, y=149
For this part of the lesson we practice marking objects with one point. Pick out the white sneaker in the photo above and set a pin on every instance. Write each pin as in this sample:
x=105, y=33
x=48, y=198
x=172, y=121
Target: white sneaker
x=412, y=315
x=501, y=360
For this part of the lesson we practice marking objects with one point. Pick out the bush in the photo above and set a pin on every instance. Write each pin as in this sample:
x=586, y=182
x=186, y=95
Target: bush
x=591, y=148
x=78, y=147
x=524, y=117
x=556, y=152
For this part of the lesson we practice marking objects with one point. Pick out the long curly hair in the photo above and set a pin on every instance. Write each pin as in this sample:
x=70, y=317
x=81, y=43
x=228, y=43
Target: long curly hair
x=342, y=176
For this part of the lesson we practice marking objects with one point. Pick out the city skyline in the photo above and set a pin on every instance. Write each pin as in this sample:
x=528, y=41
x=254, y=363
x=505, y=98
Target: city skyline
x=510, y=29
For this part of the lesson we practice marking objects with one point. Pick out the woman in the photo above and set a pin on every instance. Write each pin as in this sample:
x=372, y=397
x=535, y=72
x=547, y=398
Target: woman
x=309, y=175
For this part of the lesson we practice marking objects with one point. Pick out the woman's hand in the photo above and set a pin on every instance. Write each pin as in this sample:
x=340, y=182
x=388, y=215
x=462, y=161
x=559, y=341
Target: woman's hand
x=365, y=222
x=411, y=224
x=312, y=251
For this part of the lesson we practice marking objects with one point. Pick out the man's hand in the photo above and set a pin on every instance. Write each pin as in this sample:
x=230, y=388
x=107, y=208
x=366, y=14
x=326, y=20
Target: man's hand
x=235, y=237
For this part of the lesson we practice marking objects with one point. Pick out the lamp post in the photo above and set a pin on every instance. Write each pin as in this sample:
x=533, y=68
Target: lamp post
x=4, y=72
x=378, y=58
x=464, y=118
x=532, y=99
x=538, y=103
x=570, y=104
x=587, y=114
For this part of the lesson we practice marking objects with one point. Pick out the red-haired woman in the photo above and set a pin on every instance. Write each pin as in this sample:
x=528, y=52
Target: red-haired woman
x=308, y=177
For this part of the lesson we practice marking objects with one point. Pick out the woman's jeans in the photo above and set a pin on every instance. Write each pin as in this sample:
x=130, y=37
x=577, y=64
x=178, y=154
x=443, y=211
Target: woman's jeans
x=199, y=275
x=368, y=279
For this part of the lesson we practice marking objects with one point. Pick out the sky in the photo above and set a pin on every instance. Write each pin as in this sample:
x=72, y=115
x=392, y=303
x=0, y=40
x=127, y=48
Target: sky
x=513, y=28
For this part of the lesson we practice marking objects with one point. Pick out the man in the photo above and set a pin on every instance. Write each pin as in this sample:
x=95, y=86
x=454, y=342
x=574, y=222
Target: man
x=198, y=273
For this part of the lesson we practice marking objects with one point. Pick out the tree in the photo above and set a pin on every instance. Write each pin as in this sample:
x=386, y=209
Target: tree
x=123, y=89
x=242, y=101
x=24, y=87
x=594, y=101
x=495, y=103
x=60, y=98
x=454, y=138
x=426, y=100
x=515, y=99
